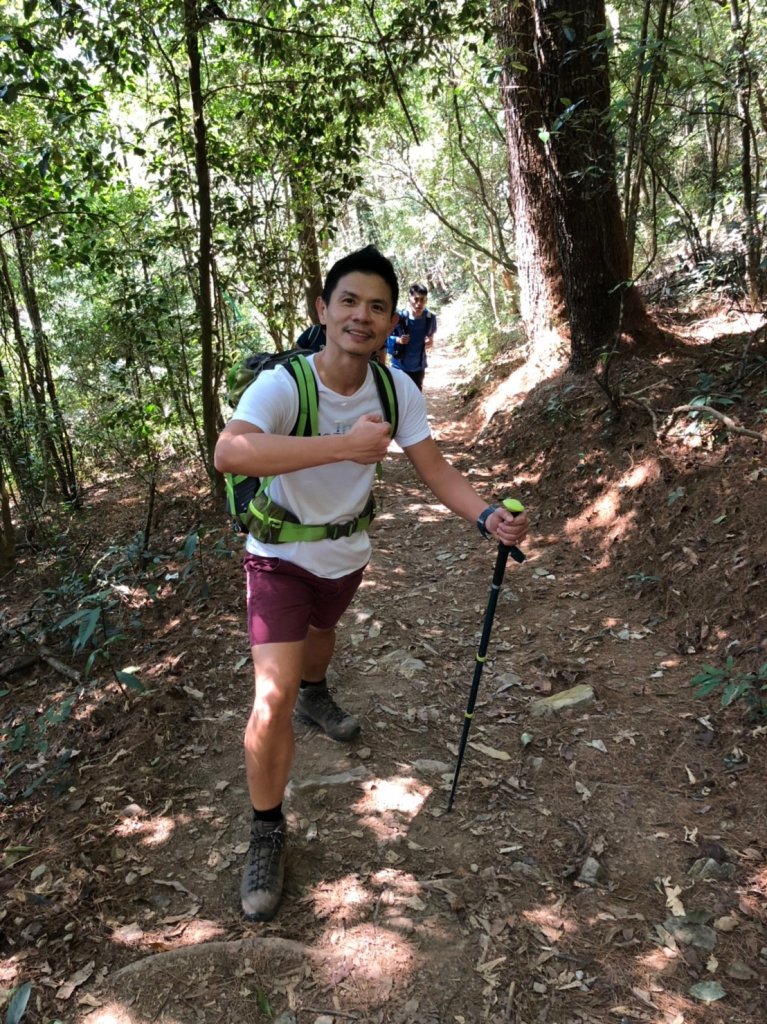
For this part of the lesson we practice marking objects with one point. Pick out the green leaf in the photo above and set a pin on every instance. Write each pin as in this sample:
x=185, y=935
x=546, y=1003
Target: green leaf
x=131, y=681
x=90, y=621
x=707, y=991
x=190, y=545
x=263, y=1002
x=18, y=1004
x=13, y=853
x=732, y=691
x=708, y=688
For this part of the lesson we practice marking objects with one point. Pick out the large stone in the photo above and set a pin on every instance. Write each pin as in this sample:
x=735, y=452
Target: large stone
x=576, y=697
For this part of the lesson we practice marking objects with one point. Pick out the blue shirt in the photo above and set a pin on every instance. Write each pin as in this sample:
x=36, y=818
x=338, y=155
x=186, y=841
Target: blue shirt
x=412, y=357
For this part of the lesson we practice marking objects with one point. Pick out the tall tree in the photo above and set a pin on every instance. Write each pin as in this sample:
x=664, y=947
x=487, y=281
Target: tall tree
x=556, y=93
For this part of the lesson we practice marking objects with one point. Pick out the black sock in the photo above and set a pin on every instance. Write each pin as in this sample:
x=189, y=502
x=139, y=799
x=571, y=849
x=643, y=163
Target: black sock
x=306, y=683
x=273, y=814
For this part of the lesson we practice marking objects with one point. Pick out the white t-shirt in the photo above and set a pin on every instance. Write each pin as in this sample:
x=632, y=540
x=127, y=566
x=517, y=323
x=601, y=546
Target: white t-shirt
x=337, y=492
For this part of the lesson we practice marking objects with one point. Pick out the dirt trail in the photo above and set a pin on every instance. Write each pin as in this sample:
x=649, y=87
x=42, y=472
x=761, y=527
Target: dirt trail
x=549, y=894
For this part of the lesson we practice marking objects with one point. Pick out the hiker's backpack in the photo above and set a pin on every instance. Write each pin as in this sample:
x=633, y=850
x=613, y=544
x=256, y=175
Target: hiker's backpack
x=312, y=339
x=247, y=501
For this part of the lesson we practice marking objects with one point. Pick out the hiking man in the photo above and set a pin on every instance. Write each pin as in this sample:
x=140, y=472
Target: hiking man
x=413, y=334
x=298, y=590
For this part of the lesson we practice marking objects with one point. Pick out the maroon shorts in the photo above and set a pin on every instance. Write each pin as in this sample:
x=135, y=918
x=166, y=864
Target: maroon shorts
x=284, y=600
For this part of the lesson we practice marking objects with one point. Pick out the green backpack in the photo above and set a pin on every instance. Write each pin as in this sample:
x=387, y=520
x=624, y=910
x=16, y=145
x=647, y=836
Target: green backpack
x=247, y=497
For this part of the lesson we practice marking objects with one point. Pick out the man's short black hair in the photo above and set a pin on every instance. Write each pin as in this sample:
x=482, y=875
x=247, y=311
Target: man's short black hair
x=418, y=289
x=364, y=261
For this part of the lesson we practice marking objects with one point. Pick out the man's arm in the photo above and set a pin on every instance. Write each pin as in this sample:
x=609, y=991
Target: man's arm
x=431, y=337
x=453, y=489
x=245, y=449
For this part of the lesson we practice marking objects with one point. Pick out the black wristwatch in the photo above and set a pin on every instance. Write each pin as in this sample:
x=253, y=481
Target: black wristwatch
x=482, y=519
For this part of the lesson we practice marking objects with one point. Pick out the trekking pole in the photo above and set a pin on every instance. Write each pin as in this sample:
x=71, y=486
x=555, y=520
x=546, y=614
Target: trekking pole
x=515, y=507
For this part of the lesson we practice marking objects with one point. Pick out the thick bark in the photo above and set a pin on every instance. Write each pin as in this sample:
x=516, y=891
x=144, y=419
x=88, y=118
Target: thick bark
x=570, y=236
x=602, y=302
x=542, y=296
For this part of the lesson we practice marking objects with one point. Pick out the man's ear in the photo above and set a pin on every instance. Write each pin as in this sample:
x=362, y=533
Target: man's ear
x=394, y=321
x=319, y=305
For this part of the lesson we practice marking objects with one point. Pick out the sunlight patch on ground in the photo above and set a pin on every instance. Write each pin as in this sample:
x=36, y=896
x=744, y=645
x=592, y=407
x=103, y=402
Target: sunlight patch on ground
x=9, y=973
x=113, y=1013
x=389, y=804
x=333, y=899
x=551, y=921
x=375, y=958
x=188, y=932
x=154, y=832
x=603, y=516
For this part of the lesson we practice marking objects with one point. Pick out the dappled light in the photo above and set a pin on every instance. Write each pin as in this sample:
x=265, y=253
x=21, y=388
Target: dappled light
x=344, y=897
x=551, y=921
x=188, y=931
x=151, y=832
x=603, y=520
x=117, y=1013
x=389, y=804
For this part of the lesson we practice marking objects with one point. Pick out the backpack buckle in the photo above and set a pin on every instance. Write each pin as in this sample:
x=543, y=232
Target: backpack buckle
x=338, y=530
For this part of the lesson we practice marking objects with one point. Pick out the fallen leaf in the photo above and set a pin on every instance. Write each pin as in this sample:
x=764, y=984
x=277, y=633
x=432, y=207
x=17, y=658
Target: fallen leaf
x=497, y=755
x=707, y=991
x=65, y=991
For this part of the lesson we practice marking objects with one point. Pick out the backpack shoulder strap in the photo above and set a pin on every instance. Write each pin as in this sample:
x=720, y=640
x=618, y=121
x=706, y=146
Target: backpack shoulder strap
x=307, y=423
x=387, y=393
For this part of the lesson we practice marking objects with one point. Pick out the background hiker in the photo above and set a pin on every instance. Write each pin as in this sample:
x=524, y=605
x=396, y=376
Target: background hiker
x=297, y=589
x=414, y=333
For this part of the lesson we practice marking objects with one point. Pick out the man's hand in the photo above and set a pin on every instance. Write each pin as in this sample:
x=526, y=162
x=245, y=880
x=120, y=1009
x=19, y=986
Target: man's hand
x=403, y=339
x=368, y=439
x=507, y=528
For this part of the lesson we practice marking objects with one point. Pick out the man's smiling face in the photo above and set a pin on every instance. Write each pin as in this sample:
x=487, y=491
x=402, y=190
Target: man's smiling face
x=359, y=316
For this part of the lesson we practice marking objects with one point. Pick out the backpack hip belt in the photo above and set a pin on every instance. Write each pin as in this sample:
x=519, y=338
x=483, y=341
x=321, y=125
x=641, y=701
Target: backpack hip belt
x=273, y=524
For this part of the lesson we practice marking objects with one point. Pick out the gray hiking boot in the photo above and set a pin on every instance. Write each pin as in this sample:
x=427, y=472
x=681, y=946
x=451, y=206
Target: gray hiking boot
x=264, y=872
x=315, y=706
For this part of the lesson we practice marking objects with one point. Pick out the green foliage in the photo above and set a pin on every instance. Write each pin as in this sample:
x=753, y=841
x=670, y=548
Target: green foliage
x=750, y=687
x=640, y=580
x=18, y=1004
x=95, y=610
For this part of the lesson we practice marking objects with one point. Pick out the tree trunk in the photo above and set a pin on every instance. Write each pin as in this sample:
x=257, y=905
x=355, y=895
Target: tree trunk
x=52, y=430
x=211, y=413
x=7, y=538
x=572, y=47
x=542, y=296
x=751, y=237
x=310, y=253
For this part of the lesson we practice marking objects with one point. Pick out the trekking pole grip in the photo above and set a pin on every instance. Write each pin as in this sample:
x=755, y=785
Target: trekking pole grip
x=515, y=507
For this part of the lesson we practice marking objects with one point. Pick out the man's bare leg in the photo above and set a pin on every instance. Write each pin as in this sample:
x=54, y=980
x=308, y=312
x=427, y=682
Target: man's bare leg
x=269, y=747
x=315, y=705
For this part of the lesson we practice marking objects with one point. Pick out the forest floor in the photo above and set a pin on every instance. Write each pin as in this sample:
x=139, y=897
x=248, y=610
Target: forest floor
x=606, y=863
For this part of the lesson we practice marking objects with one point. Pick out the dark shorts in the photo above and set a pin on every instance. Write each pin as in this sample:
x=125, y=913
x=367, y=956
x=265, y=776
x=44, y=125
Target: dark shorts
x=284, y=600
